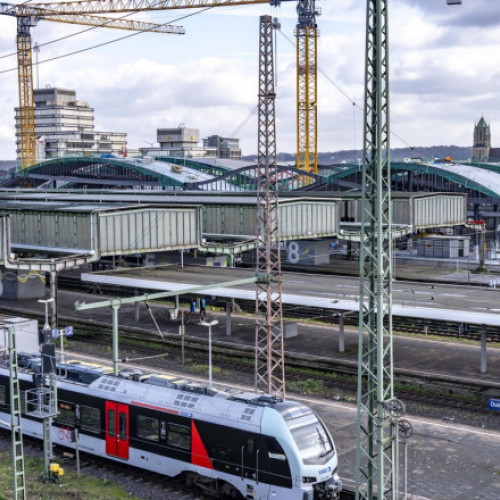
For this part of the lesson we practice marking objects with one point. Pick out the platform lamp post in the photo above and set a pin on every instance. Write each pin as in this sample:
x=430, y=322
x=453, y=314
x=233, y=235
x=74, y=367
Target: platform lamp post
x=209, y=324
x=46, y=325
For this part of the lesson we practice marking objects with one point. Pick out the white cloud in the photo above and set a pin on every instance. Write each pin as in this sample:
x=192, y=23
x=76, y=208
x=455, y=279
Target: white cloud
x=443, y=72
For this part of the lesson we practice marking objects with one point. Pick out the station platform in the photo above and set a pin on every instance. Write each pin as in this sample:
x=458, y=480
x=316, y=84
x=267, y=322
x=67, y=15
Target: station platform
x=455, y=360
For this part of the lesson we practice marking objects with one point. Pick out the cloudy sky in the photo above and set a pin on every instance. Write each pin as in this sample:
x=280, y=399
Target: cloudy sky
x=444, y=65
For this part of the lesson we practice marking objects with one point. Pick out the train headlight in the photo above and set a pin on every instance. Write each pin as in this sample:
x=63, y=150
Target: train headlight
x=308, y=479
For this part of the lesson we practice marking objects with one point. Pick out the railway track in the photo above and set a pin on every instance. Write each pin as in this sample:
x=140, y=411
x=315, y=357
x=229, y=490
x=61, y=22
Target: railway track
x=304, y=373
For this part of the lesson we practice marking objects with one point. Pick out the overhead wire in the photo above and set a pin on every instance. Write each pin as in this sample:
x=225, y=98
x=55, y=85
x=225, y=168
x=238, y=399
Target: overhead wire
x=140, y=32
x=109, y=42
x=348, y=97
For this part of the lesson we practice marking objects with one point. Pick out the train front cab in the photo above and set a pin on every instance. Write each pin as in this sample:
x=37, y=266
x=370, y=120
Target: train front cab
x=309, y=448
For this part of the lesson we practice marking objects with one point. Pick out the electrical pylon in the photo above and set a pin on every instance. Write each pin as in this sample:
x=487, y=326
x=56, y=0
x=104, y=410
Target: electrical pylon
x=375, y=426
x=269, y=355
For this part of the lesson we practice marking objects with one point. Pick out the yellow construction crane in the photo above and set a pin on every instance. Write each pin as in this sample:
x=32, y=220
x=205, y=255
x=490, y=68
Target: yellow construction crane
x=306, y=32
x=27, y=17
x=307, y=93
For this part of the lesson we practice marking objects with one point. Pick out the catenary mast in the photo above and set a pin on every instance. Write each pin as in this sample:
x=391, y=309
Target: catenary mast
x=269, y=355
x=375, y=426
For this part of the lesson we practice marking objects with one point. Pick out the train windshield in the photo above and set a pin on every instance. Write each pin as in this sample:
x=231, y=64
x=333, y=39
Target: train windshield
x=311, y=437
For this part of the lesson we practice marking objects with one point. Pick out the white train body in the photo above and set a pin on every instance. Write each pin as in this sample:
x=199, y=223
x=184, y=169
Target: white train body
x=225, y=442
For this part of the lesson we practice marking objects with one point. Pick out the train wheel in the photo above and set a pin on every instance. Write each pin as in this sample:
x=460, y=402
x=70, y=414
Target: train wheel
x=229, y=491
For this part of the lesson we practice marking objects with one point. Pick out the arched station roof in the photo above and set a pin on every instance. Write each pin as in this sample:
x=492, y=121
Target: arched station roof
x=210, y=174
x=206, y=174
x=484, y=178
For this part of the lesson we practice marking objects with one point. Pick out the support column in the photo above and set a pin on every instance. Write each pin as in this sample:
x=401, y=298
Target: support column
x=483, y=348
x=136, y=310
x=53, y=293
x=114, y=308
x=341, y=332
x=229, y=307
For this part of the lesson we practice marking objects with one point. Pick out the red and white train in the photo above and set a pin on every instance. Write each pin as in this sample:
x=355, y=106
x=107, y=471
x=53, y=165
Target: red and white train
x=230, y=443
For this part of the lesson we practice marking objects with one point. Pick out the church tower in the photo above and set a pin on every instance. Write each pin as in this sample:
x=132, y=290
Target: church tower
x=482, y=141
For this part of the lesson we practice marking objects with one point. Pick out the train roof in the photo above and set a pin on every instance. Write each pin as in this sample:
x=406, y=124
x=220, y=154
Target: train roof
x=169, y=393
x=182, y=397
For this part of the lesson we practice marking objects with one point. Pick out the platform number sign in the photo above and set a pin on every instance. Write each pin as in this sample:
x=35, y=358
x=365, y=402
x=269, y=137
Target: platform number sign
x=494, y=404
x=68, y=332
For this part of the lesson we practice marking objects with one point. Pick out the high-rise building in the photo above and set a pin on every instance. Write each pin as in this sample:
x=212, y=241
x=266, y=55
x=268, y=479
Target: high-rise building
x=226, y=147
x=180, y=142
x=64, y=126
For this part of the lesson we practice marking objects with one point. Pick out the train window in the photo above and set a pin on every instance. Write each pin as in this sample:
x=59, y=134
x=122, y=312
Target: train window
x=274, y=450
x=311, y=438
x=122, y=426
x=111, y=423
x=148, y=428
x=66, y=413
x=179, y=436
x=90, y=419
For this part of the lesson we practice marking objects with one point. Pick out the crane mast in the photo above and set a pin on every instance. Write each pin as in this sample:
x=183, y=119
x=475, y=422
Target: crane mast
x=307, y=94
x=27, y=136
x=306, y=53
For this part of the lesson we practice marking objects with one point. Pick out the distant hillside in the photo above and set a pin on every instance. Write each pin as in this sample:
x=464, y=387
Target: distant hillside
x=399, y=154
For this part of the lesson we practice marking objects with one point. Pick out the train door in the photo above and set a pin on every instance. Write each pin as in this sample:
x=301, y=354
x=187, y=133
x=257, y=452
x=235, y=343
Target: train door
x=117, y=436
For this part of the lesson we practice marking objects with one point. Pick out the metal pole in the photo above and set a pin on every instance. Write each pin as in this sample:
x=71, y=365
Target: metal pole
x=53, y=294
x=483, y=348
x=115, y=308
x=468, y=268
x=210, y=355
x=46, y=313
x=136, y=311
x=341, y=332
x=182, y=337
x=228, y=317
x=405, y=470
x=61, y=335
x=77, y=453
x=396, y=458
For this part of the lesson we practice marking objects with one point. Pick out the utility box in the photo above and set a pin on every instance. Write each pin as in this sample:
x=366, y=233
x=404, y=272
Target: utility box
x=448, y=247
x=26, y=334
